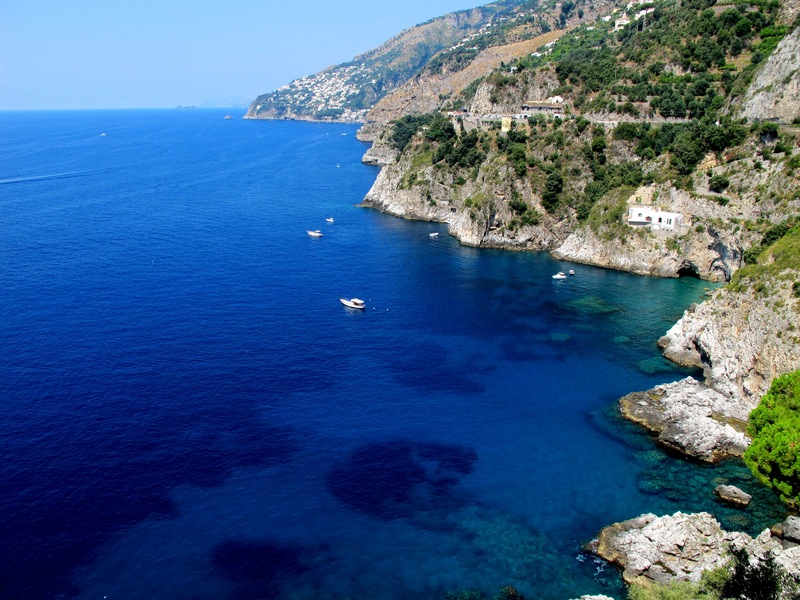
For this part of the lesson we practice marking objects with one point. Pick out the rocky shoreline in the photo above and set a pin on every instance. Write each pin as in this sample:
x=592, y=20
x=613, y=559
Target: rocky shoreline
x=729, y=337
x=680, y=547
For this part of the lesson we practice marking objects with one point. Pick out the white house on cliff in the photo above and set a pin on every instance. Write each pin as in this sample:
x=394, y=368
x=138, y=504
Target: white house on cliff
x=655, y=218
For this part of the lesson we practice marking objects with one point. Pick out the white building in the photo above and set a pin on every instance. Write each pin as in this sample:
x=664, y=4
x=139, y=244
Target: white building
x=655, y=218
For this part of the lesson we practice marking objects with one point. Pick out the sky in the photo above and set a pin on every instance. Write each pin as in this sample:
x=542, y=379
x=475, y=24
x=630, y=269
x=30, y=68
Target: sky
x=85, y=54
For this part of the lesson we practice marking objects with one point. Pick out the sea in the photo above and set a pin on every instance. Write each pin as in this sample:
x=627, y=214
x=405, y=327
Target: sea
x=187, y=411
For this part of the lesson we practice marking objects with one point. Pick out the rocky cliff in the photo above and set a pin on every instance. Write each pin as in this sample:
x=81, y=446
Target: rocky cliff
x=775, y=92
x=742, y=338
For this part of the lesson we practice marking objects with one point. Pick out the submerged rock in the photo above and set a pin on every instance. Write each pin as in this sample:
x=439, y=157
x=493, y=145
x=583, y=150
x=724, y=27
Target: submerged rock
x=691, y=418
x=733, y=495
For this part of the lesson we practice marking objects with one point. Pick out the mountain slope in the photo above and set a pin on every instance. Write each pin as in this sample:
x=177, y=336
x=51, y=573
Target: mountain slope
x=345, y=91
x=435, y=50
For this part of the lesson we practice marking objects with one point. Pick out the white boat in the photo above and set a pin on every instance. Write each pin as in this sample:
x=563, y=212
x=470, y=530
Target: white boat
x=560, y=275
x=352, y=303
x=571, y=272
x=315, y=233
x=329, y=219
x=434, y=234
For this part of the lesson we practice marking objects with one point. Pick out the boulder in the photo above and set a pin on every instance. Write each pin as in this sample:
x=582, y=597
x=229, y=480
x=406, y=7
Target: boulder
x=791, y=529
x=733, y=495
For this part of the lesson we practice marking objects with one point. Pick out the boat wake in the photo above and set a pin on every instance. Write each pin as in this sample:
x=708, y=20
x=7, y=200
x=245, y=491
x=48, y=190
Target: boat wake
x=48, y=177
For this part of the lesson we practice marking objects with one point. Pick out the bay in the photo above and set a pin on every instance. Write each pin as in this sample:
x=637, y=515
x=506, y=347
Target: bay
x=188, y=411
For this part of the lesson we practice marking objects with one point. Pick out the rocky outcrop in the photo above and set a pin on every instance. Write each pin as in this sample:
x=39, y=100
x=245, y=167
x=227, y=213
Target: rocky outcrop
x=682, y=546
x=691, y=418
x=710, y=255
x=713, y=252
x=380, y=155
x=741, y=339
x=774, y=94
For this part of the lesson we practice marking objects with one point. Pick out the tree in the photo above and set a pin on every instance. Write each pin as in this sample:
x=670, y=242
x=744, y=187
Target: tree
x=685, y=153
x=774, y=455
x=552, y=191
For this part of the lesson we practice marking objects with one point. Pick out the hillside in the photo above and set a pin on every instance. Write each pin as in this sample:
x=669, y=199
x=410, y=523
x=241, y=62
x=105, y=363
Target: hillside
x=440, y=46
x=625, y=145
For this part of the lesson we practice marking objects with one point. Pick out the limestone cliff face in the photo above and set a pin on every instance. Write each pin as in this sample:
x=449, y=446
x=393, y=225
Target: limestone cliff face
x=710, y=255
x=476, y=211
x=775, y=92
x=712, y=252
x=741, y=339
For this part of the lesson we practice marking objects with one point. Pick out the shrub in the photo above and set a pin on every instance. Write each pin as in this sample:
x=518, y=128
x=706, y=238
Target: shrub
x=718, y=183
x=774, y=455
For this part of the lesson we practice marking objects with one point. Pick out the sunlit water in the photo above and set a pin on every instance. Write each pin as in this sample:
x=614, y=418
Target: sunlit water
x=189, y=412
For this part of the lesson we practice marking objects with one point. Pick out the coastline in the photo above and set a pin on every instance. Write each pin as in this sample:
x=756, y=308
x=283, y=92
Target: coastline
x=702, y=420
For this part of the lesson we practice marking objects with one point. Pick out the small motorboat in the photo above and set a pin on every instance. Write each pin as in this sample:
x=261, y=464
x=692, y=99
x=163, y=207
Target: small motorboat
x=329, y=219
x=353, y=303
x=434, y=234
x=315, y=233
x=560, y=275
x=571, y=272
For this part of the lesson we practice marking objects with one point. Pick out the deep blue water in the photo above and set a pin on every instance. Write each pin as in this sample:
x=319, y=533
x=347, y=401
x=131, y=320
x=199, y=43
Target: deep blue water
x=187, y=411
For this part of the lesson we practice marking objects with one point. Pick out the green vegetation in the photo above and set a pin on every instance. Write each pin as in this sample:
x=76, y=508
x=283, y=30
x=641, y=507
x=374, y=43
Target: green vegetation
x=774, y=455
x=772, y=235
x=762, y=580
x=569, y=167
x=687, y=143
x=406, y=128
x=718, y=183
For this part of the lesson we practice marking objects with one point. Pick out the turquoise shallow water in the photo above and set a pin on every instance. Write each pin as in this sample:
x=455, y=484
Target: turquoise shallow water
x=189, y=412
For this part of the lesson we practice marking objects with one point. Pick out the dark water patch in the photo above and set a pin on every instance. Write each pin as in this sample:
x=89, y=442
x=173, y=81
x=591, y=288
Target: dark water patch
x=430, y=368
x=531, y=352
x=259, y=569
x=400, y=479
x=78, y=491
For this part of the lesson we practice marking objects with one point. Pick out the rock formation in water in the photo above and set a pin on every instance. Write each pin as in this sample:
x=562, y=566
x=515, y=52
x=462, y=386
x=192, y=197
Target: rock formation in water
x=691, y=418
x=681, y=547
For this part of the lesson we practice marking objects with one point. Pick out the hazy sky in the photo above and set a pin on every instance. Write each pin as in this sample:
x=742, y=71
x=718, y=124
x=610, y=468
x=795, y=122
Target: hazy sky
x=165, y=53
